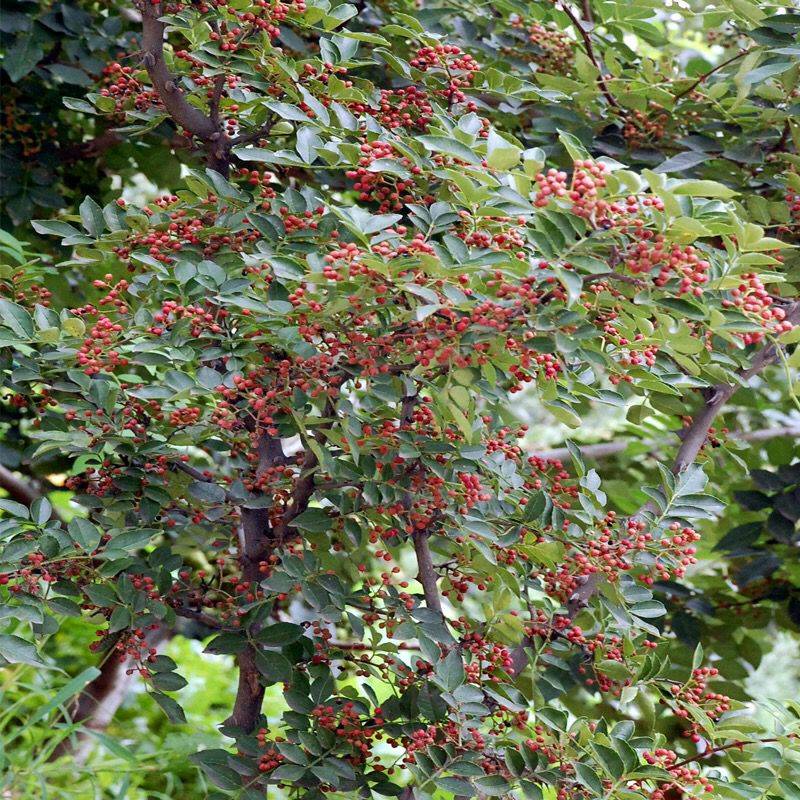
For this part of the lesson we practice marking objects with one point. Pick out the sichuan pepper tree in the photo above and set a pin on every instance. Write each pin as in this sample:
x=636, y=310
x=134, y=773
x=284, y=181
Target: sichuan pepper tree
x=285, y=390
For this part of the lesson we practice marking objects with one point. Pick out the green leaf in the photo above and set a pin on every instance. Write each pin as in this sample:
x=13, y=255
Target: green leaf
x=703, y=189
x=589, y=778
x=207, y=492
x=682, y=161
x=215, y=764
x=16, y=650
x=450, y=147
x=84, y=533
x=279, y=634
x=315, y=520
x=14, y=508
x=450, y=670
x=16, y=318
x=610, y=760
x=172, y=709
x=501, y=154
x=457, y=786
x=23, y=55
x=274, y=667
x=92, y=217
x=492, y=785
x=227, y=643
x=573, y=145
x=41, y=510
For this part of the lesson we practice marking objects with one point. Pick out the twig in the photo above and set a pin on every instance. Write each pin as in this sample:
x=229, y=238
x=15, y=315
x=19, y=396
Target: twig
x=689, y=89
x=720, y=749
x=695, y=436
x=587, y=41
x=201, y=617
x=253, y=136
x=195, y=473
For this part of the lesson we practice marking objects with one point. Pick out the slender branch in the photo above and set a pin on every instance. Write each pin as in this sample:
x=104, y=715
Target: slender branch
x=578, y=600
x=617, y=276
x=720, y=749
x=606, y=449
x=587, y=41
x=253, y=136
x=201, y=617
x=697, y=433
x=689, y=89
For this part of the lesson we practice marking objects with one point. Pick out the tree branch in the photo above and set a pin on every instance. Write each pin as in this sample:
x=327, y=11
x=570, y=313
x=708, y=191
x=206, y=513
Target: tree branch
x=606, y=449
x=178, y=107
x=255, y=546
x=426, y=572
x=695, y=436
x=587, y=41
x=198, y=475
x=689, y=89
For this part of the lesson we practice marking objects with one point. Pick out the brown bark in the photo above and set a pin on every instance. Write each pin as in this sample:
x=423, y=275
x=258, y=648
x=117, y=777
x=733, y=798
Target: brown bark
x=189, y=117
x=255, y=544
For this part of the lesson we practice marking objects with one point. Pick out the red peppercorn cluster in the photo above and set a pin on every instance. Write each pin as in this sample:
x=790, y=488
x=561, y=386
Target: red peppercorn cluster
x=407, y=108
x=386, y=189
x=458, y=67
x=695, y=693
x=553, y=50
x=123, y=84
x=793, y=201
x=489, y=659
x=97, y=353
x=751, y=297
x=353, y=728
x=202, y=319
x=684, y=778
x=499, y=233
x=260, y=16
